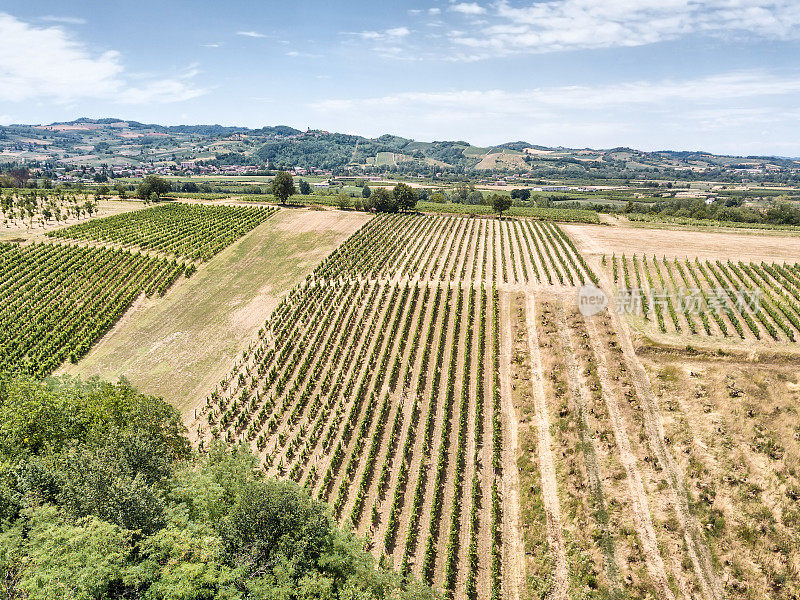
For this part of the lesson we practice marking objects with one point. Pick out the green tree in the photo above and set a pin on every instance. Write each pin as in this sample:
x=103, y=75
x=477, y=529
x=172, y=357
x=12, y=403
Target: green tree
x=474, y=197
x=405, y=196
x=523, y=194
x=343, y=201
x=501, y=203
x=366, y=191
x=283, y=186
x=152, y=187
x=384, y=201
x=63, y=559
x=304, y=187
x=82, y=465
x=461, y=191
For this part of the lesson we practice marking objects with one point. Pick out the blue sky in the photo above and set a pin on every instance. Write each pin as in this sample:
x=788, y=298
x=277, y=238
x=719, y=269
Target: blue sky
x=716, y=75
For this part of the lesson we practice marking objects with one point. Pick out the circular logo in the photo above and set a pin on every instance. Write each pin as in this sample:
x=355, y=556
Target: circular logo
x=591, y=300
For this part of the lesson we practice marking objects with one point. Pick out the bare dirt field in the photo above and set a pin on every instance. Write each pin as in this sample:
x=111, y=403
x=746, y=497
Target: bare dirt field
x=619, y=239
x=180, y=345
x=732, y=425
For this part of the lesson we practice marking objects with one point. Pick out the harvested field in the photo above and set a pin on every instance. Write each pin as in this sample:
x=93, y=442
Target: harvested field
x=675, y=243
x=733, y=428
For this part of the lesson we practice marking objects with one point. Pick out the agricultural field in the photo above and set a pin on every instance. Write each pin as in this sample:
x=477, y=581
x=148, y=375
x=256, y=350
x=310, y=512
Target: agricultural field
x=59, y=299
x=432, y=379
x=434, y=382
x=179, y=346
x=71, y=211
x=190, y=231
x=748, y=301
x=388, y=406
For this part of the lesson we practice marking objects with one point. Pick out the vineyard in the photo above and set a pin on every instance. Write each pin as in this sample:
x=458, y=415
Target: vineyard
x=737, y=300
x=375, y=384
x=59, y=299
x=457, y=249
x=434, y=382
x=189, y=231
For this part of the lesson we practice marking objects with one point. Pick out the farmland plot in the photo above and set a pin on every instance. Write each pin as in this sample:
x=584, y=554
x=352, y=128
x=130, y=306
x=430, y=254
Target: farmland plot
x=717, y=299
x=377, y=394
x=434, y=382
x=59, y=299
x=192, y=231
x=734, y=428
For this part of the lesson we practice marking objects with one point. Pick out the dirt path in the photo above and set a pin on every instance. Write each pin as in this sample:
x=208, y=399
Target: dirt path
x=546, y=461
x=641, y=508
x=580, y=394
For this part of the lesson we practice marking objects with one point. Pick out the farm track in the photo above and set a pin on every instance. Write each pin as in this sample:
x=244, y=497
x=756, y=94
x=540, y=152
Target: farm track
x=547, y=465
x=641, y=508
x=579, y=391
x=514, y=581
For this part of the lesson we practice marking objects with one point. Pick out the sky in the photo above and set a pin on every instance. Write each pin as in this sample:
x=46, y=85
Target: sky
x=716, y=75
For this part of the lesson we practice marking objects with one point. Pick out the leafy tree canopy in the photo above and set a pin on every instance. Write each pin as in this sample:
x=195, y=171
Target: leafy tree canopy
x=384, y=201
x=102, y=498
x=405, y=196
x=501, y=203
x=152, y=185
x=283, y=186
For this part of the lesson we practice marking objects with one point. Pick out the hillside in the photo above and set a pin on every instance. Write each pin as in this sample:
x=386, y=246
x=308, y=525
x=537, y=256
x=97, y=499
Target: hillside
x=116, y=142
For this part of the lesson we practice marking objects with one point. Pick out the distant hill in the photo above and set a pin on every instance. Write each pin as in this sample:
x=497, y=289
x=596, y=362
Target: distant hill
x=115, y=141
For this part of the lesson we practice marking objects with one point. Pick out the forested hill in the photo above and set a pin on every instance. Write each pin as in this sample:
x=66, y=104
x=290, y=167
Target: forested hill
x=116, y=142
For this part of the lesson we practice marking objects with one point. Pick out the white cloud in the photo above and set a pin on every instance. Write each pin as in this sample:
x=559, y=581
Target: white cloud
x=728, y=111
x=296, y=54
x=468, y=8
x=434, y=11
x=557, y=25
x=708, y=89
x=393, y=34
x=251, y=34
x=48, y=63
x=212, y=45
x=159, y=92
x=398, y=31
x=63, y=20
